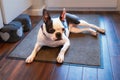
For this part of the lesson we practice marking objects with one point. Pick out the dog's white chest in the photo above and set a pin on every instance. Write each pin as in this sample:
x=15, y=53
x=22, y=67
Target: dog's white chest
x=51, y=43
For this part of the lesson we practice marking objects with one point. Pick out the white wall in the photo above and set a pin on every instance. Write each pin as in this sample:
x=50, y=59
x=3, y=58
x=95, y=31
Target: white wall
x=81, y=4
x=10, y=9
x=118, y=8
x=1, y=21
x=38, y=5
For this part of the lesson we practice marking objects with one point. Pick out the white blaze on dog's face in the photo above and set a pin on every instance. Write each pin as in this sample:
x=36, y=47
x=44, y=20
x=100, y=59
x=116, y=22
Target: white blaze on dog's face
x=59, y=29
x=53, y=28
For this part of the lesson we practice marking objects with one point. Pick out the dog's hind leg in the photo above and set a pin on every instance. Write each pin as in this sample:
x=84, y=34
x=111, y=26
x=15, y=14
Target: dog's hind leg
x=31, y=57
x=81, y=30
x=84, y=23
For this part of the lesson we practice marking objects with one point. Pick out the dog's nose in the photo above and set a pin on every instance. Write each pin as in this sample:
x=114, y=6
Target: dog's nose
x=58, y=35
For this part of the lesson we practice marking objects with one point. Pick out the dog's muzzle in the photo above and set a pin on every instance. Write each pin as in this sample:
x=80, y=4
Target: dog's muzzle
x=58, y=36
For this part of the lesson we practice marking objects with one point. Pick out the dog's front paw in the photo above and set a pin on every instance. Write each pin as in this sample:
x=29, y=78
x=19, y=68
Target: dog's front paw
x=60, y=58
x=29, y=59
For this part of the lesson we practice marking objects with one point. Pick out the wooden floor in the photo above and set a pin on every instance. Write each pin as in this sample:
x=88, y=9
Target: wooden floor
x=18, y=70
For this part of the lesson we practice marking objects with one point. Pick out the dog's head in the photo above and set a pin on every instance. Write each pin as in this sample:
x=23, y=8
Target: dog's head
x=53, y=27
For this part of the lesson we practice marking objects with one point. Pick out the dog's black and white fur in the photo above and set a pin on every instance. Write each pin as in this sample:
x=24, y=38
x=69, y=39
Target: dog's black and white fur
x=55, y=32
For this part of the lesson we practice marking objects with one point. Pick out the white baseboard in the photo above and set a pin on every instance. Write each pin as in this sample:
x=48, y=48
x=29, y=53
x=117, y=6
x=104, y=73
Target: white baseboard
x=81, y=9
x=35, y=12
x=38, y=12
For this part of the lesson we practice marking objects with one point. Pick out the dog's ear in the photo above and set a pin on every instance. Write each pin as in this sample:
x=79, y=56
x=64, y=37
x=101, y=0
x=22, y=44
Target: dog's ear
x=63, y=15
x=46, y=15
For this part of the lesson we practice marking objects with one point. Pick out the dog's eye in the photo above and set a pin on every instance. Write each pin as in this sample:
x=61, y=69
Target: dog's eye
x=63, y=29
x=51, y=30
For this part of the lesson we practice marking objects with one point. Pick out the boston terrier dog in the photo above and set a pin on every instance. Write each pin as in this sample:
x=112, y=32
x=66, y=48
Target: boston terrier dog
x=55, y=32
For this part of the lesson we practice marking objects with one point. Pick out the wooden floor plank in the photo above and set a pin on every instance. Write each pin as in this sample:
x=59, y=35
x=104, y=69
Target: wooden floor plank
x=89, y=73
x=116, y=67
x=23, y=71
x=8, y=69
x=116, y=20
x=115, y=48
x=37, y=71
x=114, y=42
x=106, y=72
x=75, y=73
x=60, y=72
